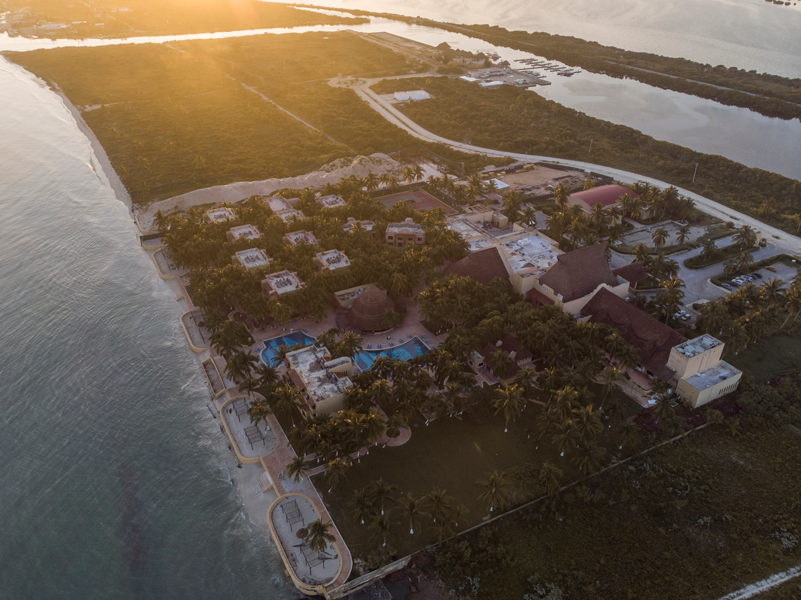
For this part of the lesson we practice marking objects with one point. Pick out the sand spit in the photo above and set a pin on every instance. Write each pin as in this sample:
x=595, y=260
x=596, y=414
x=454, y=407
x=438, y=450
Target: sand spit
x=233, y=192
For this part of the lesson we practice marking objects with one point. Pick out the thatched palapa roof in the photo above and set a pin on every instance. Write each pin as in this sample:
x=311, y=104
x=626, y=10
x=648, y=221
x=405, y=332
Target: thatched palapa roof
x=366, y=312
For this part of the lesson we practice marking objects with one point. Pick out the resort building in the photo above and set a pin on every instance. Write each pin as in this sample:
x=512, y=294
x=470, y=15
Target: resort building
x=413, y=96
x=483, y=266
x=605, y=195
x=367, y=312
x=322, y=380
x=220, y=215
x=702, y=375
x=278, y=204
x=243, y=232
x=331, y=201
x=282, y=282
x=288, y=215
x=331, y=260
x=529, y=258
x=294, y=238
x=346, y=298
x=352, y=225
x=252, y=258
x=405, y=234
x=653, y=339
x=575, y=279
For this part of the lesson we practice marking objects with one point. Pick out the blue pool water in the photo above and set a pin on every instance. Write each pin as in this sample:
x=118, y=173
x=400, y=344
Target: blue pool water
x=414, y=347
x=290, y=339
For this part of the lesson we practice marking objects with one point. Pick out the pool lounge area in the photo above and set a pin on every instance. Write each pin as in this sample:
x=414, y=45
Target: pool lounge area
x=396, y=350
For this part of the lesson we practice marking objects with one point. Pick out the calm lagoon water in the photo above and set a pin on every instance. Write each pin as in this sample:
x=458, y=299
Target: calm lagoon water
x=114, y=477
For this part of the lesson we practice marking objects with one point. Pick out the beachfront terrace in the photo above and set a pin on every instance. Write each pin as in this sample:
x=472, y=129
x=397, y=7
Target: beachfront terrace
x=252, y=258
x=246, y=232
x=300, y=237
x=331, y=260
x=281, y=282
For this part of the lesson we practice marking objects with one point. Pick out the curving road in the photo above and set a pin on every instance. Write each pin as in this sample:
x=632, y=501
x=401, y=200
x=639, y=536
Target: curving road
x=781, y=239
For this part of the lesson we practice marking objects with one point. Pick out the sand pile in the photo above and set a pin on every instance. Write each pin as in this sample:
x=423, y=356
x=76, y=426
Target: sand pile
x=234, y=192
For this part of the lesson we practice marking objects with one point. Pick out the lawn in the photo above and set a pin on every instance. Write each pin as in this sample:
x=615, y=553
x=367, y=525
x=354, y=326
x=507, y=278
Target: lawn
x=767, y=358
x=452, y=454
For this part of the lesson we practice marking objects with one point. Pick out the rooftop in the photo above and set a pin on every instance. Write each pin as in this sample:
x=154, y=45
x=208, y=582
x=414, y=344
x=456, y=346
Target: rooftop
x=296, y=237
x=698, y=345
x=531, y=251
x=712, y=376
x=287, y=215
x=219, y=215
x=313, y=368
x=405, y=227
x=248, y=232
x=579, y=272
x=482, y=266
x=605, y=194
x=277, y=204
x=332, y=259
x=331, y=201
x=351, y=225
x=252, y=258
x=283, y=282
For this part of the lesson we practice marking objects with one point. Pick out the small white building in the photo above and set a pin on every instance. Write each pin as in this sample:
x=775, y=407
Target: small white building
x=288, y=215
x=294, y=238
x=331, y=260
x=331, y=201
x=703, y=376
x=252, y=258
x=281, y=282
x=413, y=96
x=220, y=215
x=247, y=232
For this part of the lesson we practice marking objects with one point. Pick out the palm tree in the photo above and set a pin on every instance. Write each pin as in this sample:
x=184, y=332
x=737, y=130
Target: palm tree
x=548, y=477
x=286, y=400
x=495, y=492
x=500, y=361
x=641, y=253
x=258, y=411
x=510, y=401
x=335, y=471
x=713, y=317
x=296, y=468
x=382, y=527
x=744, y=261
x=589, y=458
x=586, y=423
x=664, y=407
x=629, y=434
x=381, y=493
x=683, y=234
x=266, y=375
x=362, y=505
x=659, y=237
x=412, y=510
x=526, y=378
x=238, y=367
x=709, y=250
x=671, y=294
x=771, y=291
x=529, y=216
x=608, y=378
x=280, y=354
x=371, y=182
x=440, y=504
x=349, y=345
x=745, y=237
x=318, y=536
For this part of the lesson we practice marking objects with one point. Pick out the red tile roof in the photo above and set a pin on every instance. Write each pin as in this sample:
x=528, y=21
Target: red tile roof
x=537, y=297
x=509, y=344
x=632, y=273
x=578, y=273
x=652, y=338
x=482, y=266
x=605, y=194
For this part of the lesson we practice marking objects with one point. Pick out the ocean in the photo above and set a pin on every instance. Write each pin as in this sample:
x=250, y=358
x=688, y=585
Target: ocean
x=115, y=478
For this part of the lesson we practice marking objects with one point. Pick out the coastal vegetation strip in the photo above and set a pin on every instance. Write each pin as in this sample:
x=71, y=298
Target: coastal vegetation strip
x=177, y=118
x=514, y=120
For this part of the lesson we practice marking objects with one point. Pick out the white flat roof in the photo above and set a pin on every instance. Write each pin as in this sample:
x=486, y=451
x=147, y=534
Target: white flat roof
x=365, y=225
x=405, y=228
x=295, y=237
x=534, y=250
x=218, y=215
x=310, y=364
x=287, y=215
x=713, y=375
x=249, y=232
x=253, y=258
x=284, y=282
x=277, y=204
x=479, y=243
x=698, y=345
x=333, y=259
x=331, y=201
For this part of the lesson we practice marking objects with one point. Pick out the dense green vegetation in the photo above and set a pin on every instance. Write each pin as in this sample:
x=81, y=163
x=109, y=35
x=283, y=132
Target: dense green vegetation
x=512, y=119
x=695, y=519
x=152, y=17
x=177, y=118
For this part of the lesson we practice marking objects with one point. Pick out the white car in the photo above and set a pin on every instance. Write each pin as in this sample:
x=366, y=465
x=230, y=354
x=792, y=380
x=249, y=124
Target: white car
x=738, y=281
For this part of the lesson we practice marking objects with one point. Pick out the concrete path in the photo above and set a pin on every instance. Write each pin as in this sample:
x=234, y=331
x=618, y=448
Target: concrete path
x=785, y=241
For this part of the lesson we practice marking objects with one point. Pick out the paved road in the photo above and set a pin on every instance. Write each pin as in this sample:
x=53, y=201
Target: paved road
x=782, y=240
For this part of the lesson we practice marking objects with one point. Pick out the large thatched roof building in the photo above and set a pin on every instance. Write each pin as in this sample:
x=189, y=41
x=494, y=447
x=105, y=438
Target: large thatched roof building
x=367, y=310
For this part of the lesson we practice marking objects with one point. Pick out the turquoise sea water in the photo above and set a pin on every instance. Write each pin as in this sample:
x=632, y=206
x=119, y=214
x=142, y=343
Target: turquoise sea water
x=113, y=476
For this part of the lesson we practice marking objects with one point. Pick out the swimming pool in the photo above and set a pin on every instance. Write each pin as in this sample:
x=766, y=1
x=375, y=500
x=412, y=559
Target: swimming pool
x=414, y=347
x=289, y=339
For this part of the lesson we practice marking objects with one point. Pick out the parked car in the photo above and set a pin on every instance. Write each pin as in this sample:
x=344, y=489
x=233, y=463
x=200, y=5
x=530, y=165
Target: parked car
x=758, y=275
x=685, y=317
x=771, y=269
x=727, y=286
x=738, y=281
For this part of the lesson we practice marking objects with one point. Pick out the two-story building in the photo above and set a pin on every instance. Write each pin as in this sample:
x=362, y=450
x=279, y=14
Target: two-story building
x=243, y=232
x=405, y=234
x=282, y=282
x=323, y=381
x=702, y=374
